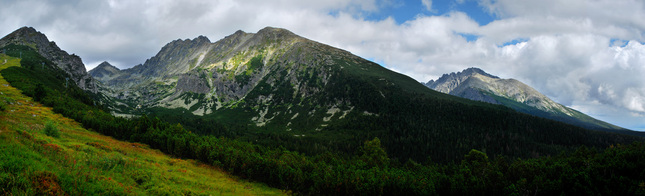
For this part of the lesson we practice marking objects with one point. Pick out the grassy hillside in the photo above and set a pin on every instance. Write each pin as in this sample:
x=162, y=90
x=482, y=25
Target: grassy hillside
x=44, y=153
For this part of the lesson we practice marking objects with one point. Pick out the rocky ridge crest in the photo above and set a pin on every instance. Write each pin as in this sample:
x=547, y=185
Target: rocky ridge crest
x=204, y=76
x=70, y=63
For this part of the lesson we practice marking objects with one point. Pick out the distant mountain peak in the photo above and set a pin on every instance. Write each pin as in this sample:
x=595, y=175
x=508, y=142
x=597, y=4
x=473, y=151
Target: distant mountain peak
x=269, y=28
x=105, y=65
x=475, y=84
x=277, y=32
x=104, y=71
x=474, y=70
x=448, y=82
x=203, y=38
x=196, y=41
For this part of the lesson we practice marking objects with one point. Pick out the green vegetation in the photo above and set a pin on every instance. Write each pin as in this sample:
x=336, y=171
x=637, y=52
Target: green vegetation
x=30, y=58
x=254, y=64
x=415, y=146
x=373, y=155
x=82, y=162
x=39, y=92
x=3, y=104
x=242, y=79
x=51, y=129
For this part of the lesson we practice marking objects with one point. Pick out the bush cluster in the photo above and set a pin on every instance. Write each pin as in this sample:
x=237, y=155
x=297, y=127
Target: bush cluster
x=51, y=129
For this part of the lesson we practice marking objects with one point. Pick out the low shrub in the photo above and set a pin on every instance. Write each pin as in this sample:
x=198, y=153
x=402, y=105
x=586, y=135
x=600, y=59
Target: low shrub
x=51, y=129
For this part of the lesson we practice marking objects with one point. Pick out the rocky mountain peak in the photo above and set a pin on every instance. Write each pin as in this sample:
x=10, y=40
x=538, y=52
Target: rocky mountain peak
x=473, y=70
x=475, y=84
x=235, y=37
x=29, y=36
x=25, y=35
x=70, y=63
x=26, y=29
x=174, y=57
x=267, y=35
x=106, y=65
x=448, y=82
x=275, y=33
x=104, y=72
x=202, y=38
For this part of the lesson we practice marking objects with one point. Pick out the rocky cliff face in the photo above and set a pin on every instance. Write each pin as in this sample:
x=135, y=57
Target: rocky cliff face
x=475, y=84
x=203, y=76
x=71, y=64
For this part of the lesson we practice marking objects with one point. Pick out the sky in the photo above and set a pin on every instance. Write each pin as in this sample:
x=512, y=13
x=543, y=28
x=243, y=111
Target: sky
x=585, y=54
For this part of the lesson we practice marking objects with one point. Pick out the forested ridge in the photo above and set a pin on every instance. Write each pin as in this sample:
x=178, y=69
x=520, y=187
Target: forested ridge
x=581, y=161
x=412, y=121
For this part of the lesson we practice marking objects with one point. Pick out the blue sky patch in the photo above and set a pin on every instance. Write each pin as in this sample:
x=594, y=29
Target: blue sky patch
x=380, y=62
x=515, y=41
x=403, y=11
x=469, y=37
x=470, y=7
x=618, y=42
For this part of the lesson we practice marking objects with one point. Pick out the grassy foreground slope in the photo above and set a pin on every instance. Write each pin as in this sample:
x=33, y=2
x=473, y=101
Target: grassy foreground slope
x=82, y=162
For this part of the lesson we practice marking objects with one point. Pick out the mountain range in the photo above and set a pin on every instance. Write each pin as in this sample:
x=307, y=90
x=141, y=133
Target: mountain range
x=276, y=88
x=295, y=114
x=281, y=76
